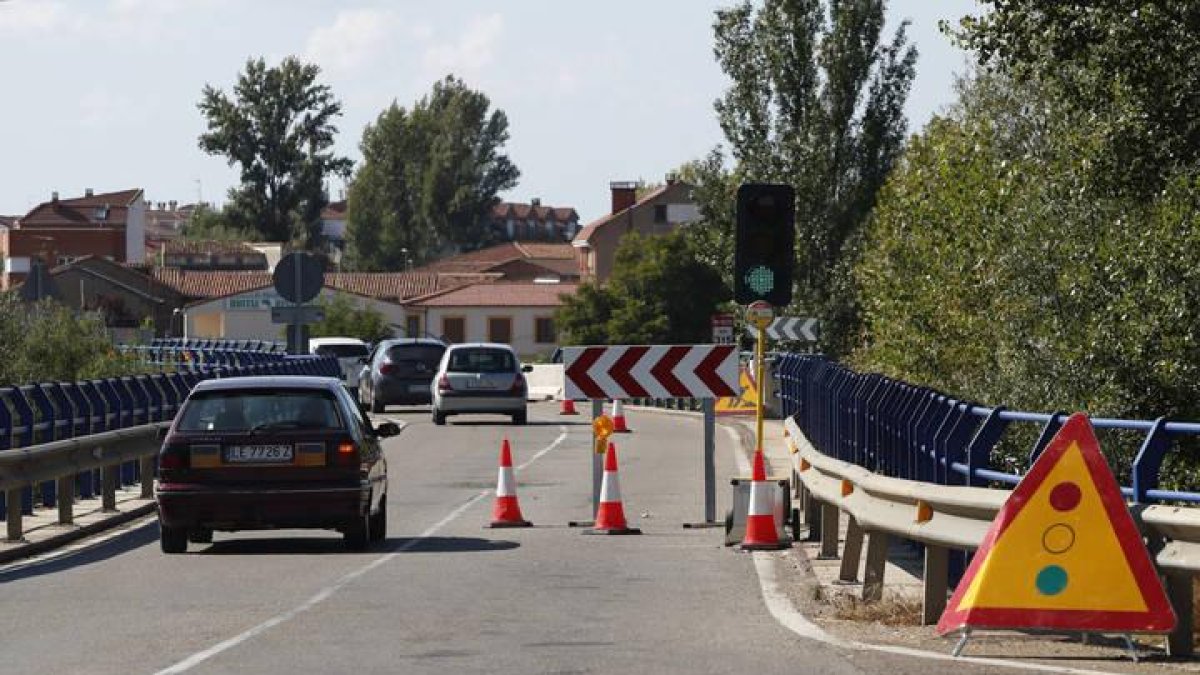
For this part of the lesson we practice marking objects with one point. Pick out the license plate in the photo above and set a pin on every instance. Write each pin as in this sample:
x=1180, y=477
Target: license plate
x=418, y=388
x=259, y=454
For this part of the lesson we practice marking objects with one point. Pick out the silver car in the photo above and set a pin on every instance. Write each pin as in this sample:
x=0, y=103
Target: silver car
x=481, y=377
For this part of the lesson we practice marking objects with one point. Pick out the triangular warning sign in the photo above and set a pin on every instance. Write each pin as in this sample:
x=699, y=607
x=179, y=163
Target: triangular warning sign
x=1063, y=552
x=747, y=403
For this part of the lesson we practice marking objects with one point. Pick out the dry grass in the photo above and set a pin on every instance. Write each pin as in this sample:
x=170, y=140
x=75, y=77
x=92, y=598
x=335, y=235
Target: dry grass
x=890, y=611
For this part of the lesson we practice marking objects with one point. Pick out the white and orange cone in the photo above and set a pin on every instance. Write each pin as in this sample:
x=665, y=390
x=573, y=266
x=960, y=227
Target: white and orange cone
x=619, y=426
x=507, y=512
x=610, y=516
x=761, y=534
x=567, y=408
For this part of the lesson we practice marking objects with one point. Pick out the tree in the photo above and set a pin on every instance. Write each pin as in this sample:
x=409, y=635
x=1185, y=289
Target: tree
x=659, y=293
x=46, y=342
x=278, y=128
x=429, y=179
x=207, y=223
x=345, y=318
x=1132, y=66
x=817, y=102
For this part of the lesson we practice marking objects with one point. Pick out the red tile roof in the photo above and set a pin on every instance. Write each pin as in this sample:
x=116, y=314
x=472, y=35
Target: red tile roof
x=384, y=285
x=561, y=214
x=391, y=286
x=81, y=211
x=588, y=230
x=334, y=211
x=211, y=284
x=500, y=295
x=487, y=258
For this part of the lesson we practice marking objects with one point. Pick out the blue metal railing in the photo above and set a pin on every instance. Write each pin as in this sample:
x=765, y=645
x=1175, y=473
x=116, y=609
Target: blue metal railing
x=48, y=411
x=917, y=433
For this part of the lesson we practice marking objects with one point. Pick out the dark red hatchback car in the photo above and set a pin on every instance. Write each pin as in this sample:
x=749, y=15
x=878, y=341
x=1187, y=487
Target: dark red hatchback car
x=251, y=453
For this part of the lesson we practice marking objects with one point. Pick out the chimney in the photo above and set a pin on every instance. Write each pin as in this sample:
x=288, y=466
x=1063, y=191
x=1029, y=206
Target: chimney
x=624, y=195
x=87, y=192
x=536, y=201
x=54, y=197
x=671, y=178
x=173, y=203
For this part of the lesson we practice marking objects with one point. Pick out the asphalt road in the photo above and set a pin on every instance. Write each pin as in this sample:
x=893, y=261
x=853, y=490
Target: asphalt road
x=442, y=594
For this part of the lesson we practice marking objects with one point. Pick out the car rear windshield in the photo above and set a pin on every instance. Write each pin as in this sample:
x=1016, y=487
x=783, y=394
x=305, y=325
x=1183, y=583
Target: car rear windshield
x=430, y=355
x=260, y=410
x=482, y=361
x=342, y=351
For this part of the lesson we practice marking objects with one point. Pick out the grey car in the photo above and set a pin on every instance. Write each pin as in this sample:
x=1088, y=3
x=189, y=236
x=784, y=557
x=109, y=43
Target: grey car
x=481, y=377
x=399, y=372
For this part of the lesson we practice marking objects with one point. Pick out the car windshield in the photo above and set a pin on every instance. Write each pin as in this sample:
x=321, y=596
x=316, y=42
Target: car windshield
x=259, y=410
x=427, y=354
x=482, y=361
x=342, y=351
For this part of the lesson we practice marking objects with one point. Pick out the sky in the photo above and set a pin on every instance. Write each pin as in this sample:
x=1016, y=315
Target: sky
x=102, y=93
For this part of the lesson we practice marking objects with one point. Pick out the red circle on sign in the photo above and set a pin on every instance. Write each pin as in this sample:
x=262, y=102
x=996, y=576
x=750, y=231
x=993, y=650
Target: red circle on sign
x=1065, y=496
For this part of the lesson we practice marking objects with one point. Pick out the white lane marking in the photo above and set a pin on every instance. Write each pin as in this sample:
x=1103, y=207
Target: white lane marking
x=325, y=593
x=785, y=612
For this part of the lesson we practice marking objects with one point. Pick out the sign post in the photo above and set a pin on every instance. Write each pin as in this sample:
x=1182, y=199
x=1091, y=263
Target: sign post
x=759, y=314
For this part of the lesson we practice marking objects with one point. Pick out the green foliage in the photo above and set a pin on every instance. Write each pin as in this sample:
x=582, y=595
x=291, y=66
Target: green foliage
x=996, y=269
x=1133, y=67
x=429, y=178
x=209, y=224
x=346, y=318
x=46, y=342
x=278, y=128
x=659, y=293
x=816, y=101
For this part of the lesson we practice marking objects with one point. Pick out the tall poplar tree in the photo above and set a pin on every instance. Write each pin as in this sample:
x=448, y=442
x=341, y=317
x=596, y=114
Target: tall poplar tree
x=816, y=101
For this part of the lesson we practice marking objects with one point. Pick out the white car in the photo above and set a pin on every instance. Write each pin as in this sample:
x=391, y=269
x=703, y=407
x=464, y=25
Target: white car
x=349, y=353
x=480, y=377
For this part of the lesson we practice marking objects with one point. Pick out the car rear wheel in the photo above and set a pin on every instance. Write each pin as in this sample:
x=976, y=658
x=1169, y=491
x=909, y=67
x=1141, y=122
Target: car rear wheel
x=172, y=539
x=357, y=535
x=439, y=418
x=379, y=521
x=520, y=418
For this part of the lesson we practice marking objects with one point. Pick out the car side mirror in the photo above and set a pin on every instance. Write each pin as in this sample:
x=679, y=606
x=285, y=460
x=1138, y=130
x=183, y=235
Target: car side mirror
x=526, y=369
x=387, y=430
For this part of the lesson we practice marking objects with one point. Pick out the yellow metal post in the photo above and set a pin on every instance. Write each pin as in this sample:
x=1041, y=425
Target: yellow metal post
x=758, y=380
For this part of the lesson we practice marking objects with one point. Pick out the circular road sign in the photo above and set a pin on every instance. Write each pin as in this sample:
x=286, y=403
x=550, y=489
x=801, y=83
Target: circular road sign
x=299, y=277
x=760, y=313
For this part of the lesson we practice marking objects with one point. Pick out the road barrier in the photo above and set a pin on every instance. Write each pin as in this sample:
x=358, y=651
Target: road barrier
x=910, y=462
x=87, y=438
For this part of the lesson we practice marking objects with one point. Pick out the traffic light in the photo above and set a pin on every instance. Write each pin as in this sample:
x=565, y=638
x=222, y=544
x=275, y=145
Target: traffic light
x=765, y=253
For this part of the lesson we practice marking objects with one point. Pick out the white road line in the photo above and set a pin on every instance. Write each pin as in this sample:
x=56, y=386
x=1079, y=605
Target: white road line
x=784, y=611
x=325, y=593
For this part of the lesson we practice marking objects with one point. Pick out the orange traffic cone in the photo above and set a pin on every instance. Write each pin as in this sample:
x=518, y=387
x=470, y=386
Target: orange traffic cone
x=610, y=516
x=761, y=534
x=507, y=512
x=619, y=418
x=567, y=408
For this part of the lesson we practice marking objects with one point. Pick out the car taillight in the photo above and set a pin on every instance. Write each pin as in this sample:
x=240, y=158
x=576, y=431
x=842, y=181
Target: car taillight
x=518, y=385
x=345, y=454
x=444, y=384
x=173, y=457
x=388, y=369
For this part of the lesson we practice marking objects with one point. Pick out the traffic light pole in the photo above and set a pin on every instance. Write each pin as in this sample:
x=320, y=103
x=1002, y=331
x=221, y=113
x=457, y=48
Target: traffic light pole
x=758, y=380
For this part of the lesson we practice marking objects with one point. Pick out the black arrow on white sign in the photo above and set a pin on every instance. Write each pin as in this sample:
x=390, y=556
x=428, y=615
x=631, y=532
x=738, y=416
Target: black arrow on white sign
x=790, y=328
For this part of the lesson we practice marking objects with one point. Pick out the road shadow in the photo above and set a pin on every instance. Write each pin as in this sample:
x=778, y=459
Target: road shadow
x=137, y=537
x=530, y=423
x=334, y=546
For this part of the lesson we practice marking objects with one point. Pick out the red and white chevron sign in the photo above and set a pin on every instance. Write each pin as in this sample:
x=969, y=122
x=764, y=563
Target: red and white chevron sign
x=645, y=371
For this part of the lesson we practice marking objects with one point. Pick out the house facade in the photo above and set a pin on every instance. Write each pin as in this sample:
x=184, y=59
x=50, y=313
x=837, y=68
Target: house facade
x=106, y=225
x=520, y=314
x=661, y=211
x=511, y=221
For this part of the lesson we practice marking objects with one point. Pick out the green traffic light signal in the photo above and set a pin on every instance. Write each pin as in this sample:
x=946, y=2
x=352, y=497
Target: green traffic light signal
x=764, y=251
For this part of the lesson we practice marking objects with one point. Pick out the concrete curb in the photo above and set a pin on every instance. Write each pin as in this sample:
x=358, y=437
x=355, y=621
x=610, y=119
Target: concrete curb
x=60, y=539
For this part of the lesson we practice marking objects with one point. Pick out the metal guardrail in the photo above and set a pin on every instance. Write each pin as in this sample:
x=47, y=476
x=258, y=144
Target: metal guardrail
x=80, y=438
x=918, y=433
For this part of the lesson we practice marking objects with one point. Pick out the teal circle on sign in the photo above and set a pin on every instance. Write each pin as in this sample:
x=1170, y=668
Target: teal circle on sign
x=1051, y=580
x=760, y=279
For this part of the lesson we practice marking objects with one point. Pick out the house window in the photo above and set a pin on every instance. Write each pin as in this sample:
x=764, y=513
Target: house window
x=660, y=213
x=454, y=329
x=412, y=326
x=499, y=329
x=543, y=330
